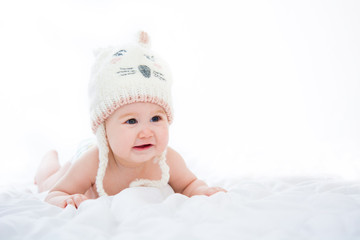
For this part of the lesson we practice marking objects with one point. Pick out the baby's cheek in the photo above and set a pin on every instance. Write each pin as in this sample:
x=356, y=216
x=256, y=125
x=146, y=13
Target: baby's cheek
x=120, y=145
x=165, y=138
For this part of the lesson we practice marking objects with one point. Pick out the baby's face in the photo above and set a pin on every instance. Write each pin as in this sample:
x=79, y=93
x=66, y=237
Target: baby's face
x=137, y=132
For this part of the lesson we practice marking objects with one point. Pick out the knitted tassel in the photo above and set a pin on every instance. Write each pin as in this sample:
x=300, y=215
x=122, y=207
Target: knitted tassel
x=103, y=159
x=165, y=176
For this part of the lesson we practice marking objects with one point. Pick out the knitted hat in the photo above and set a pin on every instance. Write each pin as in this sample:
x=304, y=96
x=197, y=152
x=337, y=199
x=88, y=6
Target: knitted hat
x=120, y=76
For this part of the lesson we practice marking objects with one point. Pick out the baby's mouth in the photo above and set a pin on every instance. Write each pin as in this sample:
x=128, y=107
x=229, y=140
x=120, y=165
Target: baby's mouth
x=143, y=147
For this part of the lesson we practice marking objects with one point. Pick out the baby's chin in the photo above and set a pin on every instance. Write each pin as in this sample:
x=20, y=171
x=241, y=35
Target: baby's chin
x=146, y=154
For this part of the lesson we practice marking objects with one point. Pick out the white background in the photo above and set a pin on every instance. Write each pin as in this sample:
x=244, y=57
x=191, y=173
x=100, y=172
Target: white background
x=261, y=88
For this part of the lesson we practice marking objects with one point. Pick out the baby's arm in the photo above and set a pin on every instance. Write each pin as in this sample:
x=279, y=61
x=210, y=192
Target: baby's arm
x=79, y=178
x=182, y=180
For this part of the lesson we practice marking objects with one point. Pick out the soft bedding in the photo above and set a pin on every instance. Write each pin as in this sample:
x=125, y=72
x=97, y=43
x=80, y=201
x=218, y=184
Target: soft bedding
x=254, y=208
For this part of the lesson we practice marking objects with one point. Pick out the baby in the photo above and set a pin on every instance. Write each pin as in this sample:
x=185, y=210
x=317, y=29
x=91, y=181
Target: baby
x=130, y=108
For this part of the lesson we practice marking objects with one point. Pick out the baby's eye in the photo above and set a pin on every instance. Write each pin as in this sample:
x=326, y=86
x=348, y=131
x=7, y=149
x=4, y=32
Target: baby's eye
x=155, y=119
x=131, y=121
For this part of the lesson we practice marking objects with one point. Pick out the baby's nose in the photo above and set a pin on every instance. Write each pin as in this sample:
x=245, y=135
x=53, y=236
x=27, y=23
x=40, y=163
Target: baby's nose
x=145, y=133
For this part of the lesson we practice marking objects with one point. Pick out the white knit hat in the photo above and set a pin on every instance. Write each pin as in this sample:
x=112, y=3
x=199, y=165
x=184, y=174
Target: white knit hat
x=120, y=76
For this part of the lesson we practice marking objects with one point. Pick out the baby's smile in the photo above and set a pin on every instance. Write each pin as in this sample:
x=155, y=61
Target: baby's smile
x=143, y=147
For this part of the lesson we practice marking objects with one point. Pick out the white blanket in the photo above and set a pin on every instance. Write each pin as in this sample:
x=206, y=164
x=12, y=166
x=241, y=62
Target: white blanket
x=254, y=208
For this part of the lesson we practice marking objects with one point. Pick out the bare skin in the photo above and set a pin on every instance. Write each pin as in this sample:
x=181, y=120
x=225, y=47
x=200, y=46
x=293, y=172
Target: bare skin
x=49, y=171
x=181, y=179
x=74, y=183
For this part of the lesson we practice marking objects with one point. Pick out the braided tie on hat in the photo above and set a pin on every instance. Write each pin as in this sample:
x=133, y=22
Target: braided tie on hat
x=103, y=159
x=155, y=183
x=103, y=162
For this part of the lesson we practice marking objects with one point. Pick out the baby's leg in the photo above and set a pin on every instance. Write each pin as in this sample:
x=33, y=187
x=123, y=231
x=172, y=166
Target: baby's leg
x=49, y=171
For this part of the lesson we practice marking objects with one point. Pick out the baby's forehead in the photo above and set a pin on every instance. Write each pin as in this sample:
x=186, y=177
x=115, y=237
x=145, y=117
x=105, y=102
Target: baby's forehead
x=139, y=107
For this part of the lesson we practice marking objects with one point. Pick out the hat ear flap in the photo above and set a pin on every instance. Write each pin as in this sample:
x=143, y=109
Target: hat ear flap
x=103, y=159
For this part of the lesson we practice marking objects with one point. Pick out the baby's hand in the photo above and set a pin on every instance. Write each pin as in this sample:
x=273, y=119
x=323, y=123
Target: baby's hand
x=75, y=200
x=62, y=199
x=208, y=191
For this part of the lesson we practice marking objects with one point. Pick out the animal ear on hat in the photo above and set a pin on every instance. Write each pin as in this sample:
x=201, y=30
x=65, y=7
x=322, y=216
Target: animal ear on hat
x=101, y=53
x=144, y=39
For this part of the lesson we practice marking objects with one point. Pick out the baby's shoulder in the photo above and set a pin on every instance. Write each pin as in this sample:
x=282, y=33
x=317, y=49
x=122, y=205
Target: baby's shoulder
x=89, y=160
x=171, y=153
x=173, y=157
x=91, y=156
